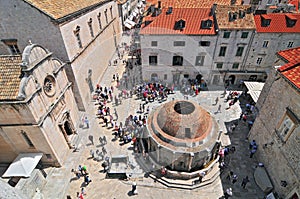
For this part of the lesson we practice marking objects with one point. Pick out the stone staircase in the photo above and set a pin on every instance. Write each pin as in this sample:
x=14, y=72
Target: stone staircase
x=191, y=183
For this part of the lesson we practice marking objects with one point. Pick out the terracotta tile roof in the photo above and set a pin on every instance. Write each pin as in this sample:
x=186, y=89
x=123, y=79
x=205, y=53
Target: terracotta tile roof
x=9, y=78
x=164, y=23
x=278, y=23
x=291, y=70
x=242, y=21
x=191, y=3
x=60, y=8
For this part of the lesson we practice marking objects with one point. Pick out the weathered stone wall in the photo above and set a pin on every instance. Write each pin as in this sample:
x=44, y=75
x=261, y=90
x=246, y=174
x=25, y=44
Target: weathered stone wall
x=281, y=158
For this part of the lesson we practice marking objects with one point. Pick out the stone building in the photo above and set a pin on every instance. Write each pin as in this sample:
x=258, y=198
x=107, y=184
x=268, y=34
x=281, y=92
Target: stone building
x=38, y=112
x=236, y=47
x=181, y=136
x=276, y=129
x=83, y=34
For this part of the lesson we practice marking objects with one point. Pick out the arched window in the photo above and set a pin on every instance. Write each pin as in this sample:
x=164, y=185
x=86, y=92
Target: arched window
x=99, y=20
x=154, y=77
x=77, y=35
x=90, y=24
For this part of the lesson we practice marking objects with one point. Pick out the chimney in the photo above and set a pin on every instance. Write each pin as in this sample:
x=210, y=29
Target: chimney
x=159, y=4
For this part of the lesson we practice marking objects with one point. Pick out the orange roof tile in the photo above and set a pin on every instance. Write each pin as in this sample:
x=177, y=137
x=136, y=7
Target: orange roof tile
x=60, y=8
x=291, y=70
x=191, y=3
x=278, y=23
x=10, y=77
x=164, y=23
x=241, y=22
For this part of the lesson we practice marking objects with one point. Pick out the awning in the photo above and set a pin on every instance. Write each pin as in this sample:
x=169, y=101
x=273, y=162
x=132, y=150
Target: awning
x=254, y=89
x=132, y=23
x=127, y=25
x=23, y=165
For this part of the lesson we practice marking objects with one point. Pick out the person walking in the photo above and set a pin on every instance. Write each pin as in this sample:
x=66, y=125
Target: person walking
x=228, y=193
x=234, y=178
x=219, y=109
x=216, y=100
x=245, y=181
x=133, y=190
x=86, y=122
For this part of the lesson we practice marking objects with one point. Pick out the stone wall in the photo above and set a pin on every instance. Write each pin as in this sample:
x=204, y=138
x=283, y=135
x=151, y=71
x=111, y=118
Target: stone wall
x=280, y=156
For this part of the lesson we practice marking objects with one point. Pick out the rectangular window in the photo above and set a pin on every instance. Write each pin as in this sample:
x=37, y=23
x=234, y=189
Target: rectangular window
x=259, y=60
x=27, y=139
x=106, y=19
x=153, y=60
x=222, y=51
x=48, y=156
x=199, y=60
x=165, y=77
x=99, y=20
x=239, y=51
x=235, y=65
x=90, y=24
x=179, y=43
x=287, y=124
x=204, y=43
x=219, y=65
x=111, y=12
x=226, y=34
x=265, y=44
x=290, y=44
x=12, y=45
x=244, y=35
x=177, y=60
x=77, y=35
x=153, y=43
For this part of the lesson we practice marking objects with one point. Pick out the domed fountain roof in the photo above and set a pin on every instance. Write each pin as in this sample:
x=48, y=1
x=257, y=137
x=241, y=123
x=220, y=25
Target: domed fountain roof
x=184, y=120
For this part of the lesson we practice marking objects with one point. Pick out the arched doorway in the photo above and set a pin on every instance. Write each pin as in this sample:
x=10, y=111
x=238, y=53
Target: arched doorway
x=67, y=128
x=231, y=79
x=154, y=77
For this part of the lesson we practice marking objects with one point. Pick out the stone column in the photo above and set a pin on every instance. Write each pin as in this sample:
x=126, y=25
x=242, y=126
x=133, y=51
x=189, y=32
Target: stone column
x=173, y=160
x=157, y=153
x=190, y=160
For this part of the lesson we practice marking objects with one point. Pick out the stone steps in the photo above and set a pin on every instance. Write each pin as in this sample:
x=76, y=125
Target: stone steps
x=188, y=184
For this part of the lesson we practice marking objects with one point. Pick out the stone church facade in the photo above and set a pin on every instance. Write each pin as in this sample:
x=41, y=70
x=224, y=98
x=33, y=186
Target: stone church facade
x=83, y=34
x=38, y=112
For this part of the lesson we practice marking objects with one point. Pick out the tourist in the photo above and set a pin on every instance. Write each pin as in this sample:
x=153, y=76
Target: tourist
x=229, y=175
x=228, y=193
x=87, y=179
x=234, y=178
x=244, y=182
x=92, y=153
x=83, y=192
x=86, y=122
x=76, y=172
x=133, y=190
x=79, y=195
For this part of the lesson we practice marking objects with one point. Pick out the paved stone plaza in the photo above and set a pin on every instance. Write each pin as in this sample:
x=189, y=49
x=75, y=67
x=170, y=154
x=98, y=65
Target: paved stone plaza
x=61, y=180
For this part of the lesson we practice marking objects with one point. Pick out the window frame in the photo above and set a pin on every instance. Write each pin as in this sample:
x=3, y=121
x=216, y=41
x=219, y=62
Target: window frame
x=155, y=60
x=177, y=63
x=179, y=43
x=204, y=43
x=265, y=44
x=154, y=42
x=222, y=51
x=90, y=24
x=12, y=44
x=243, y=35
x=280, y=128
x=235, y=65
x=240, y=51
x=199, y=58
x=226, y=34
x=290, y=44
x=219, y=63
x=259, y=60
x=99, y=21
x=77, y=35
